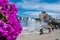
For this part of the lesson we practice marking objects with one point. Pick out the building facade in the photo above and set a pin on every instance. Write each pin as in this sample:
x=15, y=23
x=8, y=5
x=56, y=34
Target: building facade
x=43, y=16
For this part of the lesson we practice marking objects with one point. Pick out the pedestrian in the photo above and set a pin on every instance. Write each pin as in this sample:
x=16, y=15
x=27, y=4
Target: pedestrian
x=41, y=31
x=49, y=30
x=52, y=28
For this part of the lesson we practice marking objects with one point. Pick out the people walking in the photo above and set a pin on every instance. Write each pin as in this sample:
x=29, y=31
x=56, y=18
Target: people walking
x=49, y=30
x=41, y=31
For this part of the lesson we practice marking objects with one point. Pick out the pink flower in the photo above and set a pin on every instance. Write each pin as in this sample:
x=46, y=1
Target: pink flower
x=9, y=24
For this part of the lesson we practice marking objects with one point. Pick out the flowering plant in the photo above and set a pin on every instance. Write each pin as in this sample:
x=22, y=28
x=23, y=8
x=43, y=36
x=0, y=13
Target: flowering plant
x=9, y=24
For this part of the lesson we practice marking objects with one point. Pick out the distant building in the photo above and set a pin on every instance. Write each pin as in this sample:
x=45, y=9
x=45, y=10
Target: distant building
x=44, y=16
x=57, y=20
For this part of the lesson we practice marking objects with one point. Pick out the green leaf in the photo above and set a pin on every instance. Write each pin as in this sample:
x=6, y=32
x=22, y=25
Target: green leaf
x=1, y=16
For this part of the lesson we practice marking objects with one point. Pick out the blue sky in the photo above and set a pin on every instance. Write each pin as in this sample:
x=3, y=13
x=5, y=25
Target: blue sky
x=32, y=8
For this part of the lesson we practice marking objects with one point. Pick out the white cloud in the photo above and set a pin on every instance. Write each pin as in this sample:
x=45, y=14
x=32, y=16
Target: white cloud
x=32, y=13
x=53, y=7
x=37, y=14
x=54, y=14
x=38, y=6
x=34, y=4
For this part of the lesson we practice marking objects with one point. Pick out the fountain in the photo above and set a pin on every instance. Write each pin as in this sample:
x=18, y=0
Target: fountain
x=31, y=25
